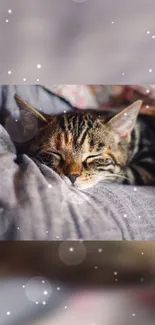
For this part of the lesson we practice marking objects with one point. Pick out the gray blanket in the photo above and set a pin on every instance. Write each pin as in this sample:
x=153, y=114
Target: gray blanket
x=36, y=204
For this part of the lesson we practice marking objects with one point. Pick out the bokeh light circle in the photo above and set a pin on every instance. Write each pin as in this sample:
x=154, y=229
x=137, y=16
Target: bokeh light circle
x=72, y=253
x=38, y=289
x=15, y=128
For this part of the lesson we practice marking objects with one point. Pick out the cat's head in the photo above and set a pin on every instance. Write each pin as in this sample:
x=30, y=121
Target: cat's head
x=83, y=147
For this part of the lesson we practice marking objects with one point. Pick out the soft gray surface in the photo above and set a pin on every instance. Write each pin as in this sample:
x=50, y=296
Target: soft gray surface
x=20, y=302
x=101, y=307
x=31, y=210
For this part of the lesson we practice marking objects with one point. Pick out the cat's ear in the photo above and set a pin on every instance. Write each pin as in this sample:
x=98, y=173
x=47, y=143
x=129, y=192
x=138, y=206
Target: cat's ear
x=124, y=122
x=30, y=116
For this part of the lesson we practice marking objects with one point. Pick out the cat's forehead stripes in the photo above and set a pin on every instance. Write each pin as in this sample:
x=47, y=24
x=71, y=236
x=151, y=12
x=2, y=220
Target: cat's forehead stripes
x=81, y=134
x=76, y=121
x=75, y=128
x=64, y=140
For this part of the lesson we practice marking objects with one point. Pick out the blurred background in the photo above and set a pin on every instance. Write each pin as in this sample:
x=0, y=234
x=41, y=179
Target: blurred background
x=114, y=97
x=74, y=41
x=91, y=283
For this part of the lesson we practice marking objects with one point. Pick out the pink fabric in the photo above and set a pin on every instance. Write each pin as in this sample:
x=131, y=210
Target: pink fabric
x=77, y=95
x=106, y=97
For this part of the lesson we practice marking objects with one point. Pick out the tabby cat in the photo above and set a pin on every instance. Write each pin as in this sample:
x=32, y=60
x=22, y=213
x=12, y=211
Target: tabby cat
x=87, y=146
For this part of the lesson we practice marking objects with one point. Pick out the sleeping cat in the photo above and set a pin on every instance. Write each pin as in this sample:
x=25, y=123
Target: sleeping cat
x=87, y=146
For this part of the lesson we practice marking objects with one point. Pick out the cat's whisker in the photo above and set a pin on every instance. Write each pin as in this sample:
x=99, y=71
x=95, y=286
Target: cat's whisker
x=117, y=175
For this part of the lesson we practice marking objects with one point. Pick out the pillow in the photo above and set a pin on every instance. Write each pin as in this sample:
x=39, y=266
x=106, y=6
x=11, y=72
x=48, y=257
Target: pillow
x=40, y=97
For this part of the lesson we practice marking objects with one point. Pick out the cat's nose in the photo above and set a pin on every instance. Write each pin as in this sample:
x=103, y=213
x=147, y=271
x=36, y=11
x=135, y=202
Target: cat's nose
x=72, y=177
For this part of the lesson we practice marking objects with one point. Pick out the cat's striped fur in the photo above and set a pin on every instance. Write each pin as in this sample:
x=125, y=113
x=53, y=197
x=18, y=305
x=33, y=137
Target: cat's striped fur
x=141, y=169
x=87, y=146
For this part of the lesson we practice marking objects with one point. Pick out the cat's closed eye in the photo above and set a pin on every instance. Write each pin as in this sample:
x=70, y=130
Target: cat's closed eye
x=103, y=162
x=56, y=155
x=108, y=161
x=99, y=160
x=91, y=158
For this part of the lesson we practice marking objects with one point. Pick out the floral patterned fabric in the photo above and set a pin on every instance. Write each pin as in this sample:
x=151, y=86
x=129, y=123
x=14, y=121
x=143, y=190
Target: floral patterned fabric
x=119, y=96
x=80, y=96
